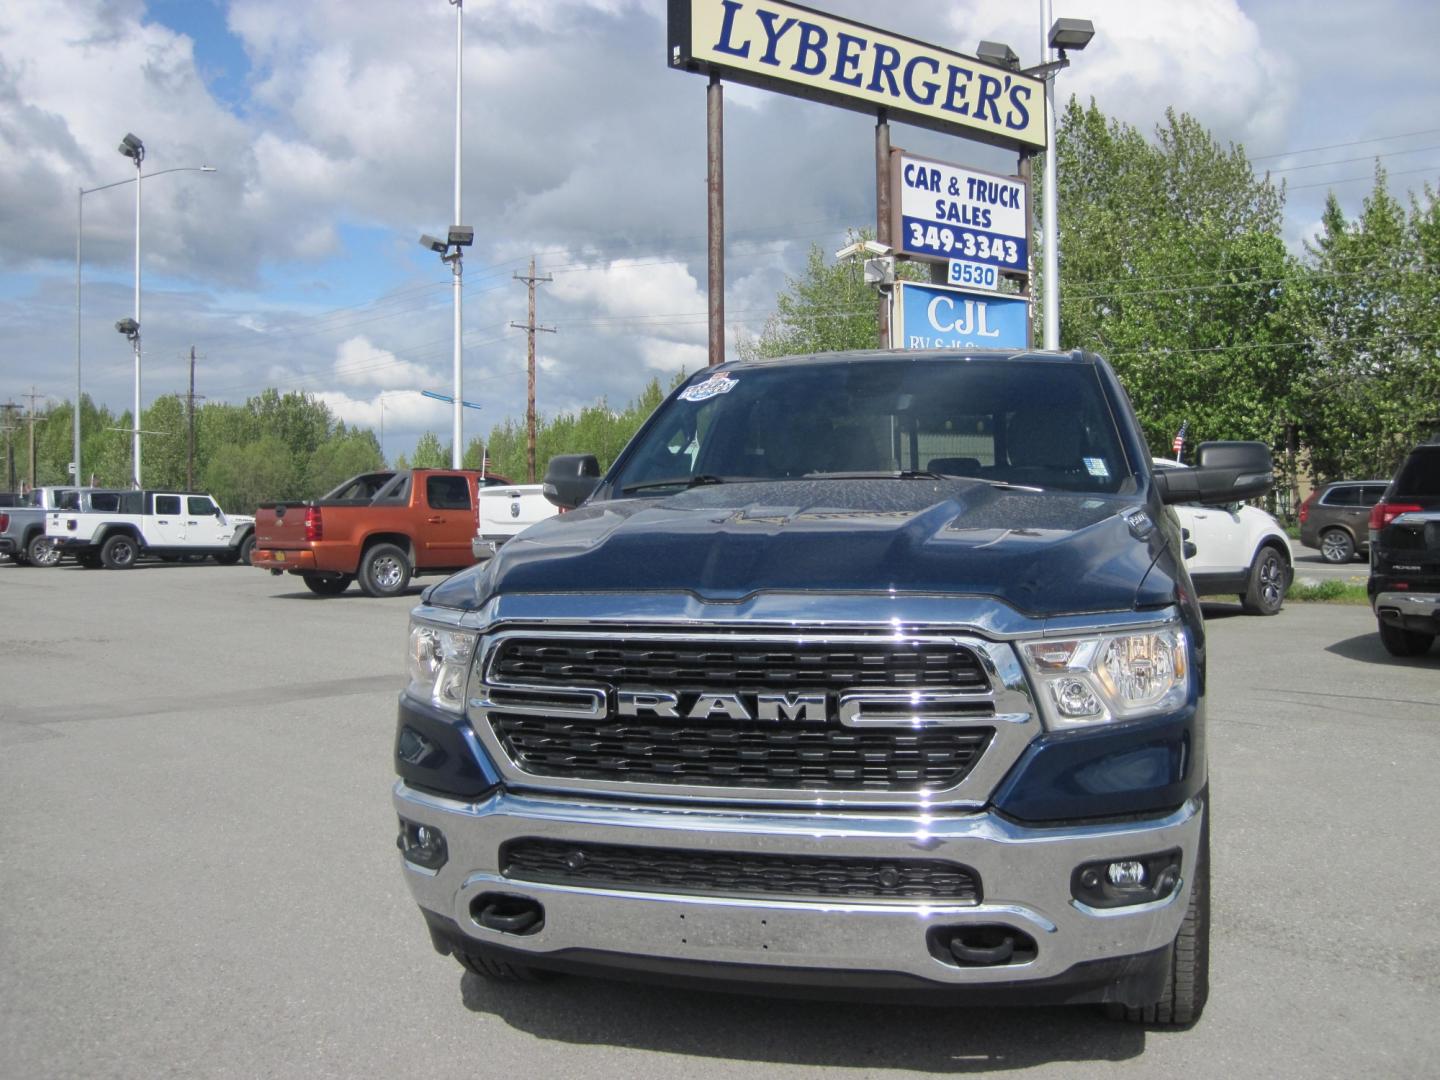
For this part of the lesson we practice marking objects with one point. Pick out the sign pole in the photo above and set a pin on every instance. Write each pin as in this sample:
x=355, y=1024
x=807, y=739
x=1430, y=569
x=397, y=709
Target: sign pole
x=715, y=184
x=882, y=209
x=1025, y=170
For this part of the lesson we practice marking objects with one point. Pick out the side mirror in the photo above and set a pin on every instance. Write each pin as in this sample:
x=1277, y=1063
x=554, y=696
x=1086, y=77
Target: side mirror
x=570, y=479
x=1227, y=472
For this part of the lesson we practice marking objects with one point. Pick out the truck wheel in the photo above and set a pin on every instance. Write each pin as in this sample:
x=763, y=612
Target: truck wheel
x=1188, y=984
x=41, y=551
x=1265, y=593
x=323, y=585
x=119, y=552
x=1401, y=642
x=489, y=967
x=247, y=548
x=1336, y=546
x=384, y=571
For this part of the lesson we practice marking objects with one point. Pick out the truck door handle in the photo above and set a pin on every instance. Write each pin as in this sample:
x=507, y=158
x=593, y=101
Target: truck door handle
x=435, y=520
x=159, y=522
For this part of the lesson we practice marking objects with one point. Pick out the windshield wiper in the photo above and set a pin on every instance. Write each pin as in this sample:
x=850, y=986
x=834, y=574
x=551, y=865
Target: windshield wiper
x=876, y=474
x=683, y=482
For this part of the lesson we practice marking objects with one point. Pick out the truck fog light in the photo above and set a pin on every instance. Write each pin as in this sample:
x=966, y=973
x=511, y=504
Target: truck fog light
x=1140, y=879
x=423, y=845
x=1126, y=874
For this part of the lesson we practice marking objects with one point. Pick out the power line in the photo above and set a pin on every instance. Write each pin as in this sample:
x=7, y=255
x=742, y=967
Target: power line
x=1358, y=179
x=1347, y=161
x=1341, y=146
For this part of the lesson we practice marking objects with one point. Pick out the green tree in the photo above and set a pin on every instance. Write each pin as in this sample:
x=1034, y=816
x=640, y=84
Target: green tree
x=1372, y=319
x=429, y=454
x=346, y=454
x=241, y=477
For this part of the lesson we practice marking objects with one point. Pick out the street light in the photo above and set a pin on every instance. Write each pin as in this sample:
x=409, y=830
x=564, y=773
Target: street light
x=79, y=335
x=1064, y=35
x=134, y=149
x=458, y=237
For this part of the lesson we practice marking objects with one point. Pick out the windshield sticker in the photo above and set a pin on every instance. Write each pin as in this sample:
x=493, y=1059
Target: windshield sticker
x=703, y=391
x=1096, y=467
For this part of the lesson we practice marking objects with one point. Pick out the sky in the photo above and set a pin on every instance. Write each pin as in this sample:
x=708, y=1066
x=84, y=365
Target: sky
x=330, y=124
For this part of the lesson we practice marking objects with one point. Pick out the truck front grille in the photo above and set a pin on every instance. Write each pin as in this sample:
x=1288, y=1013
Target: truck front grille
x=704, y=873
x=740, y=754
x=882, y=714
x=723, y=665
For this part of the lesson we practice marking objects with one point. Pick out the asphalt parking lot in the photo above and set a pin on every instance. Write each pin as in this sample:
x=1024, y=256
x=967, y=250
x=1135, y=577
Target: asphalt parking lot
x=198, y=877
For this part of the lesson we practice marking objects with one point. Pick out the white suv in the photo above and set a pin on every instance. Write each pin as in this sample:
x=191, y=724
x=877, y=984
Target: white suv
x=1240, y=551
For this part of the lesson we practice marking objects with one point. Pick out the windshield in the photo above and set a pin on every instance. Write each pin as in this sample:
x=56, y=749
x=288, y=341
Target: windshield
x=1033, y=423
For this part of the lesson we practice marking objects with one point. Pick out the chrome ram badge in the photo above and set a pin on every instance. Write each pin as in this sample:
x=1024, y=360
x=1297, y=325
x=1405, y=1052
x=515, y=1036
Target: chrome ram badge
x=799, y=708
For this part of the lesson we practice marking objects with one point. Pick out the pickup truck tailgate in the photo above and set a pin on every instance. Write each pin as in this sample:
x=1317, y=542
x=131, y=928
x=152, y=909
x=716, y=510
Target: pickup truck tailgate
x=280, y=525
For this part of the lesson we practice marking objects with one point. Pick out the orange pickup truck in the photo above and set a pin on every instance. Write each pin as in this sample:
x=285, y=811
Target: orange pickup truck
x=379, y=528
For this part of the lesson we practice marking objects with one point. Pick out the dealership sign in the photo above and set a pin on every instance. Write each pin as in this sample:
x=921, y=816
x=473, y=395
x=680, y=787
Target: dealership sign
x=939, y=317
x=795, y=50
x=946, y=212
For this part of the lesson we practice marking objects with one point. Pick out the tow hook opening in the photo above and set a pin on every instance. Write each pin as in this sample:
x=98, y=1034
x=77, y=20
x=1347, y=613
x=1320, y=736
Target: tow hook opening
x=507, y=913
x=981, y=945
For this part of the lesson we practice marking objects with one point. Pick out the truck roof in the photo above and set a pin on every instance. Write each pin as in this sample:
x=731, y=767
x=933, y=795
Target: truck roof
x=1076, y=356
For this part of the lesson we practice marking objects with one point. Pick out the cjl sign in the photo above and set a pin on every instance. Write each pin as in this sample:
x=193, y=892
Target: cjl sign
x=937, y=317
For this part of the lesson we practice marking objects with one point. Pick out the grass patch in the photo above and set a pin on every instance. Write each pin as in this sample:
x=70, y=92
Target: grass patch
x=1328, y=592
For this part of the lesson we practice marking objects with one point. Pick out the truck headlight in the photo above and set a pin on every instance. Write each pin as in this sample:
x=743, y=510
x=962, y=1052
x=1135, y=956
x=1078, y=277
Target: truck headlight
x=1090, y=680
x=439, y=664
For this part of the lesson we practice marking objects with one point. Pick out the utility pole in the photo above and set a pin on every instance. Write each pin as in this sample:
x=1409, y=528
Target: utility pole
x=190, y=413
x=529, y=327
x=31, y=421
x=9, y=408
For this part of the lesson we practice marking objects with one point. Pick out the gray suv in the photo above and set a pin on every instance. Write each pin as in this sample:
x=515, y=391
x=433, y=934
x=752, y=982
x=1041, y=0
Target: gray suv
x=1337, y=520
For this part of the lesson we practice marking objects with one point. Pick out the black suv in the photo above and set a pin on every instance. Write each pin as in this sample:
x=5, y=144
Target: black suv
x=1404, y=582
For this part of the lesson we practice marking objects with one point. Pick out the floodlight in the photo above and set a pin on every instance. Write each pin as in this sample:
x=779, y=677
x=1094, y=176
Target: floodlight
x=999, y=54
x=862, y=247
x=1071, y=34
x=434, y=245
x=461, y=235
x=132, y=147
x=129, y=327
x=880, y=271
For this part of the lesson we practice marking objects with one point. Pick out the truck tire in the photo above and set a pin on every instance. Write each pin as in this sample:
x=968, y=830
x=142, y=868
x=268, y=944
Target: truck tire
x=40, y=551
x=384, y=570
x=327, y=585
x=247, y=548
x=1188, y=983
x=1401, y=642
x=496, y=970
x=1265, y=592
x=119, y=552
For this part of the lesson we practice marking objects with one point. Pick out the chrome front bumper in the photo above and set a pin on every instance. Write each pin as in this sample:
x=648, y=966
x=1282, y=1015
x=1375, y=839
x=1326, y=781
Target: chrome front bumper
x=1026, y=875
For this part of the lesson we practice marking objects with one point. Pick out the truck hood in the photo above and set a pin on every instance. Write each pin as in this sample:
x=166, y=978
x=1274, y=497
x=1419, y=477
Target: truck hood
x=1047, y=553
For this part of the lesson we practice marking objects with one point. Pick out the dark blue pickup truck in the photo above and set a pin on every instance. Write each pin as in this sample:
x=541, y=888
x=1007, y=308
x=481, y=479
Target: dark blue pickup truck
x=875, y=673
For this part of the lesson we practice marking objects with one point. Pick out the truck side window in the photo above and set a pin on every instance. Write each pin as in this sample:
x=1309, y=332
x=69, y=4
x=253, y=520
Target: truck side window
x=105, y=501
x=447, y=492
x=167, y=504
x=196, y=505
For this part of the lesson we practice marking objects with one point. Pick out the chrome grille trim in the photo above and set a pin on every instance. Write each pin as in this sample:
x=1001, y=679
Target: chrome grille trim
x=1006, y=708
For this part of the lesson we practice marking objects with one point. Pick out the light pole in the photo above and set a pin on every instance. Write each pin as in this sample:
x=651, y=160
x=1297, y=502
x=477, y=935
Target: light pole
x=79, y=334
x=1064, y=34
x=134, y=149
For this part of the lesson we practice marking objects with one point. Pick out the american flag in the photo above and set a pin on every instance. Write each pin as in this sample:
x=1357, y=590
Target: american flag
x=1179, y=443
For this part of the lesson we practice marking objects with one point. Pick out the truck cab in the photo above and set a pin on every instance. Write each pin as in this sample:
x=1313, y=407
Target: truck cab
x=858, y=671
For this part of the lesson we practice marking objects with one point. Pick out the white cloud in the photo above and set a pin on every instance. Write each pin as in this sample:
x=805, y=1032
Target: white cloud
x=1204, y=57
x=359, y=362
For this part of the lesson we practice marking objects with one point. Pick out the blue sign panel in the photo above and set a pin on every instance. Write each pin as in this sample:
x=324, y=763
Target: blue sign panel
x=938, y=317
